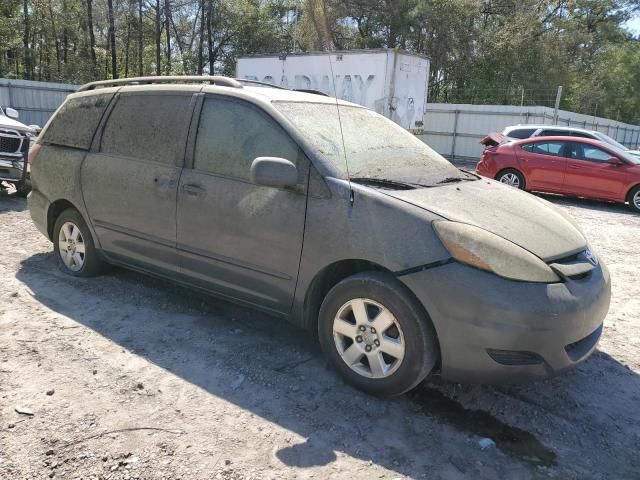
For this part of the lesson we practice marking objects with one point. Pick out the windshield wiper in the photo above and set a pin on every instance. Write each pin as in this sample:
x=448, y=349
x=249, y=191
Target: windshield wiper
x=455, y=180
x=386, y=183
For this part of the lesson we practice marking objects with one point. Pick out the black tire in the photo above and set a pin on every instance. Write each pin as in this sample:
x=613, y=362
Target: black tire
x=92, y=264
x=512, y=171
x=421, y=350
x=633, y=194
x=23, y=188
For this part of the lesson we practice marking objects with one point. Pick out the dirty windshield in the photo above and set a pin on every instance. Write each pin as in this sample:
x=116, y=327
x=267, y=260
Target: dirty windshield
x=375, y=148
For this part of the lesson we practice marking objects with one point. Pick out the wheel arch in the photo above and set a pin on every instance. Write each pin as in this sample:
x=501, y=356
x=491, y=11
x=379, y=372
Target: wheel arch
x=627, y=196
x=54, y=211
x=515, y=169
x=325, y=280
x=334, y=273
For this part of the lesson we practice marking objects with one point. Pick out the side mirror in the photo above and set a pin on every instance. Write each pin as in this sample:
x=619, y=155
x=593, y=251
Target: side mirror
x=11, y=113
x=615, y=161
x=274, y=172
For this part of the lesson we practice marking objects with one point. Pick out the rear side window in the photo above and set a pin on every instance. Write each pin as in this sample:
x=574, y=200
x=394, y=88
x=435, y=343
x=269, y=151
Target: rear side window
x=582, y=135
x=148, y=127
x=554, y=133
x=521, y=133
x=555, y=149
x=231, y=134
x=76, y=121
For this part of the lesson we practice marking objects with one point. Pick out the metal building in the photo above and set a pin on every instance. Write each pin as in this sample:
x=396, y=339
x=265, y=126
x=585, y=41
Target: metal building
x=36, y=101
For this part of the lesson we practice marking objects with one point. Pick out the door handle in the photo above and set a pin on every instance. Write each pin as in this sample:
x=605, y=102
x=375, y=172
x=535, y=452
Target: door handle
x=575, y=167
x=193, y=189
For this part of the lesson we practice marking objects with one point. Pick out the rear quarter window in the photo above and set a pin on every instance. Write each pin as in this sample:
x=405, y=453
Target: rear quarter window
x=76, y=121
x=521, y=133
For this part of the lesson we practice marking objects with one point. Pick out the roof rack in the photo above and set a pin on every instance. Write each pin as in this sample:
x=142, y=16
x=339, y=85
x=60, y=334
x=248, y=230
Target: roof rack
x=260, y=84
x=213, y=80
x=279, y=87
x=312, y=91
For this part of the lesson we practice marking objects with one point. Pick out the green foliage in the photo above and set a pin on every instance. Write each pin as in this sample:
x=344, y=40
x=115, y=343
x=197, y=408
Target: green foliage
x=482, y=51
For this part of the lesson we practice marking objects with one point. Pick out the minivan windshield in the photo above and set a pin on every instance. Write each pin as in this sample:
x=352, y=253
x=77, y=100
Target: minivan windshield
x=607, y=139
x=375, y=147
x=624, y=153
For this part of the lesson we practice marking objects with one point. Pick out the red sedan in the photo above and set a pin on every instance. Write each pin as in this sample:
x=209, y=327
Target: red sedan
x=581, y=167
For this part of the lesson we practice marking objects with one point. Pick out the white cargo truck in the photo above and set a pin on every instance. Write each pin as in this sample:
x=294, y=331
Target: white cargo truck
x=391, y=82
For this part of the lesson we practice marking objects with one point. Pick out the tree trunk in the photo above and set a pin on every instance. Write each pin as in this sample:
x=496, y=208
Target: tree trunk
x=65, y=32
x=158, y=39
x=201, y=39
x=112, y=40
x=25, y=40
x=167, y=27
x=55, y=35
x=92, y=37
x=126, y=49
x=140, y=40
x=210, y=37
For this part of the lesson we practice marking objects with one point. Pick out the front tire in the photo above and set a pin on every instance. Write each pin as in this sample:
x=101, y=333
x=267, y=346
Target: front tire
x=376, y=335
x=511, y=177
x=634, y=199
x=23, y=188
x=74, y=247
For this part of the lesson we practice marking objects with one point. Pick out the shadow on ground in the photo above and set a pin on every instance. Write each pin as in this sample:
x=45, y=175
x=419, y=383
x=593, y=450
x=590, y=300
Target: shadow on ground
x=11, y=201
x=212, y=344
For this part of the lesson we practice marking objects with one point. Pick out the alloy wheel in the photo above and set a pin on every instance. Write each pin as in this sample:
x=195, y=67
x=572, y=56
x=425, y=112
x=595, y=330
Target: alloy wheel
x=71, y=246
x=510, y=179
x=636, y=200
x=369, y=338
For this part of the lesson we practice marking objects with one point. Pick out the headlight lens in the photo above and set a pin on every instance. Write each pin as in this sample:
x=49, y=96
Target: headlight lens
x=486, y=251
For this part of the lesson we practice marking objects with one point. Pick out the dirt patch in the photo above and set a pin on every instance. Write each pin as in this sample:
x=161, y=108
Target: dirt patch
x=130, y=377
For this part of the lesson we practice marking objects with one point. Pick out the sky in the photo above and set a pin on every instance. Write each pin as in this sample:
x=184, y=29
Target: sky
x=634, y=25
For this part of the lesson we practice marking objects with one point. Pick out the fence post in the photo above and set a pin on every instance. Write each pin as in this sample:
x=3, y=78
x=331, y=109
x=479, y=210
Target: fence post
x=455, y=133
x=10, y=92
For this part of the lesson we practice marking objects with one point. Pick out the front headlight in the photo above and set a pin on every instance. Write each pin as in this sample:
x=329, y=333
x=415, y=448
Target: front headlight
x=486, y=251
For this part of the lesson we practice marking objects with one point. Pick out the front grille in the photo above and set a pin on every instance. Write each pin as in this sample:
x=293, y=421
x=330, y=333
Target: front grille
x=579, y=349
x=512, y=357
x=9, y=143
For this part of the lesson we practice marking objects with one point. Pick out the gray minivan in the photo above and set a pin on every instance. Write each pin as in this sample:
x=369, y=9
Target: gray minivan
x=325, y=213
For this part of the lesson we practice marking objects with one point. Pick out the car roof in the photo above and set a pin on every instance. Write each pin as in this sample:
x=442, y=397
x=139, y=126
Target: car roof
x=237, y=88
x=548, y=127
x=563, y=138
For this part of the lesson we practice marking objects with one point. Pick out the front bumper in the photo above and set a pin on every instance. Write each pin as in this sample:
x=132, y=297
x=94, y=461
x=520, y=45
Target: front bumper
x=14, y=164
x=13, y=169
x=493, y=330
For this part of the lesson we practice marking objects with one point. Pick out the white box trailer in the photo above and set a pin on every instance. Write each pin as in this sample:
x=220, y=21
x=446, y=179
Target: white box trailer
x=391, y=82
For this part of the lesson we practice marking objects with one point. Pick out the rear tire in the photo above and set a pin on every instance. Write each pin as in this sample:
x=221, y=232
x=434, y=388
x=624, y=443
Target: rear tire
x=74, y=247
x=385, y=361
x=634, y=198
x=23, y=188
x=511, y=177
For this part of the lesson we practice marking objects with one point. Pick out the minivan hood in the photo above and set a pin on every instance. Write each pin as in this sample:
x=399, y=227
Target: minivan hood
x=6, y=122
x=522, y=218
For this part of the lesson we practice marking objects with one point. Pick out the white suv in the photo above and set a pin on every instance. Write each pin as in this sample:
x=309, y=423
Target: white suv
x=527, y=131
x=14, y=148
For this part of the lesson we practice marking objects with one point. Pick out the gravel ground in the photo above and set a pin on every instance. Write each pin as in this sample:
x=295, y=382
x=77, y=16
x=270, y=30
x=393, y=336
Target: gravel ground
x=129, y=377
